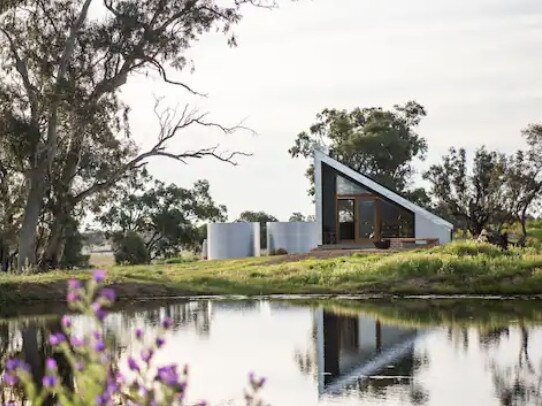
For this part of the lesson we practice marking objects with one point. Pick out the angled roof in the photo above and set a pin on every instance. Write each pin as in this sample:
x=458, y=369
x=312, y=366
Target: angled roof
x=320, y=156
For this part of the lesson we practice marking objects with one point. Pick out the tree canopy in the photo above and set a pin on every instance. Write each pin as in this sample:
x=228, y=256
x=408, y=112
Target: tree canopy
x=380, y=143
x=63, y=128
x=497, y=190
x=165, y=217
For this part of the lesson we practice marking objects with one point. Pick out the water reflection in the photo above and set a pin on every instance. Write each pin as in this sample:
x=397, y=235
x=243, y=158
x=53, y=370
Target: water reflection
x=328, y=353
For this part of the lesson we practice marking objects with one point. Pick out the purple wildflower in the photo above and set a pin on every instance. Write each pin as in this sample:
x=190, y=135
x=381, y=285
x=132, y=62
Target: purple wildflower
x=102, y=399
x=79, y=366
x=76, y=341
x=12, y=364
x=98, y=311
x=99, y=346
x=99, y=275
x=66, y=322
x=72, y=297
x=167, y=323
x=168, y=375
x=10, y=380
x=146, y=355
x=160, y=341
x=132, y=364
x=256, y=383
x=51, y=364
x=108, y=294
x=139, y=333
x=48, y=381
x=56, y=339
x=74, y=284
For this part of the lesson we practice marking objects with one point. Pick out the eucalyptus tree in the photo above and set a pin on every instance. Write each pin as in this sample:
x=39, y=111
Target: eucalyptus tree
x=165, y=218
x=64, y=63
x=523, y=184
x=380, y=143
x=475, y=198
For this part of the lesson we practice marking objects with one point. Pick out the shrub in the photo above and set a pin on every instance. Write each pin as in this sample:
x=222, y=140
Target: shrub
x=96, y=377
x=72, y=256
x=534, y=243
x=130, y=249
x=469, y=248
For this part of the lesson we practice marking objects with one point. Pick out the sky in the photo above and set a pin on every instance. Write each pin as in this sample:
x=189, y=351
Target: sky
x=476, y=66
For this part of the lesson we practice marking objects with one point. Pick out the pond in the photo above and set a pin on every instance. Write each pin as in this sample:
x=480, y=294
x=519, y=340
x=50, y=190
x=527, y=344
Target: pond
x=331, y=352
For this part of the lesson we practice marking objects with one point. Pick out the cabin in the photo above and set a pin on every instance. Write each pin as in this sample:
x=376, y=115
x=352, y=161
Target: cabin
x=352, y=210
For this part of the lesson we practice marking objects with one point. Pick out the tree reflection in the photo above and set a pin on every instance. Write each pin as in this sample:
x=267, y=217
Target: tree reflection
x=32, y=348
x=521, y=382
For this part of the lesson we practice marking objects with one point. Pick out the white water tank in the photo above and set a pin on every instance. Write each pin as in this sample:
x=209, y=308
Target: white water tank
x=295, y=237
x=233, y=240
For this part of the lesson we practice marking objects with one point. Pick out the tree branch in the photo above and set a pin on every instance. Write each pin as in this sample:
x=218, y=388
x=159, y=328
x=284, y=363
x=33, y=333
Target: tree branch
x=170, y=127
x=22, y=69
x=70, y=43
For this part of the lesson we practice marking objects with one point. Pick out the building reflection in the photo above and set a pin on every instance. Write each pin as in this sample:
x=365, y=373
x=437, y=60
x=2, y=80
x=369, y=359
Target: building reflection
x=360, y=353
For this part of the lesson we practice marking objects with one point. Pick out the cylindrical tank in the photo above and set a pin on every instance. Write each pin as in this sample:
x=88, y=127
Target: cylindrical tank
x=233, y=240
x=294, y=237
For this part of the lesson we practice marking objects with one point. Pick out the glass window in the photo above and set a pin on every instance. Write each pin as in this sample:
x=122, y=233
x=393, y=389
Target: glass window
x=346, y=187
x=397, y=222
x=347, y=228
x=366, y=219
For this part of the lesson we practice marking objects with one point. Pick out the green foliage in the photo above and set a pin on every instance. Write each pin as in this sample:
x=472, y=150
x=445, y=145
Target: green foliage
x=379, y=143
x=166, y=217
x=499, y=190
x=470, y=248
x=72, y=256
x=179, y=260
x=129, y=249
x=63, y=123
x=473, y=199
x=297, y=216
x=534, y=228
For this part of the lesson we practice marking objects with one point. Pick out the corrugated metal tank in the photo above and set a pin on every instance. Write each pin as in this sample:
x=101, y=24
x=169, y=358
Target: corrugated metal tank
x=294, y=237
x=233, y=240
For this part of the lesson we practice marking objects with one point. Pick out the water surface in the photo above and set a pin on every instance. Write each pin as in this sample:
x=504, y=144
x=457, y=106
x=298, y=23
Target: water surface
x=411, y=352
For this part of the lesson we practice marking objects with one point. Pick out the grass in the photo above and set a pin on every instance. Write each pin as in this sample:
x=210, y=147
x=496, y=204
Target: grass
x=458, y=268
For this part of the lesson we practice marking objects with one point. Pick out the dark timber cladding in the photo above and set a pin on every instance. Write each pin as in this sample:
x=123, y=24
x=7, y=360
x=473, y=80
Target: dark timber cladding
x=389, y=219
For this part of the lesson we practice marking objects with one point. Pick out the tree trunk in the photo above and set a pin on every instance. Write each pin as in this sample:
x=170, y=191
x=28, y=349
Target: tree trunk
x=523, y=222
x=38, y=177
x=64, y=204
x=28, y=233
x=55, y=243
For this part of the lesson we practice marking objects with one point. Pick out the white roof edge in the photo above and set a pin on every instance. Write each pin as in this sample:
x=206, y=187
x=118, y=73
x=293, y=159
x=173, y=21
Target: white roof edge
x=319, y=156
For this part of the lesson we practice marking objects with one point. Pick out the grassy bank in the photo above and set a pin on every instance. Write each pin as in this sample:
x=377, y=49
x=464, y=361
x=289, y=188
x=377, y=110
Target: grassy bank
x=461, y=267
